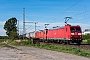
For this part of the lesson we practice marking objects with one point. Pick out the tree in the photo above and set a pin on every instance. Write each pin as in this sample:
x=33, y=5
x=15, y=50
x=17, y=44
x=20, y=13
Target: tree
x=11, y=28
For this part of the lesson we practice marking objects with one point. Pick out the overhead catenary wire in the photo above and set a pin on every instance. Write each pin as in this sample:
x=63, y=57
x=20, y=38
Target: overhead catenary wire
x=62, y=11
x=81, y=13
x=30, y=18
x=68, y=8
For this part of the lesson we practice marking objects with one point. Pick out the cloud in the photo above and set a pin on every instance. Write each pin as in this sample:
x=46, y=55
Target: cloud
x=2, y=32
x=2, y=22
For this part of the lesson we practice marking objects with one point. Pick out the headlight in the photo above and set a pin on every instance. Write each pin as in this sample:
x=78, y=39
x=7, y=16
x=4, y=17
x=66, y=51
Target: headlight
x=72, y=33
x=79, y=33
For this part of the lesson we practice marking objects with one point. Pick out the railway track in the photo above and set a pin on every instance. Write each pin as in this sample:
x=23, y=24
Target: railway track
x=81, y=46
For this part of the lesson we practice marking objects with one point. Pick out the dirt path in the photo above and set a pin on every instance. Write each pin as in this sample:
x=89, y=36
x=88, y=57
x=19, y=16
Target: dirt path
x=30, y=53
x=14, y=54
x=42, y=54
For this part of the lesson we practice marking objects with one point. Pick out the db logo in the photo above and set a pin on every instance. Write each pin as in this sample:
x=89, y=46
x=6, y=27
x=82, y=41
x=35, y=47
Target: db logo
x=76, y=33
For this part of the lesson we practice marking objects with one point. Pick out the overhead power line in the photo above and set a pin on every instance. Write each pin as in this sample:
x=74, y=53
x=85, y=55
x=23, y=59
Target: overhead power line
x=34, y=23
x=81, y=13
x=68, y=8
x=30, y=18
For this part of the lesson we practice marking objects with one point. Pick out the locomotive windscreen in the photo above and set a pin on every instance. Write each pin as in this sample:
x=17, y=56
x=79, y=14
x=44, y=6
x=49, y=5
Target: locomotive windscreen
x=73, y=29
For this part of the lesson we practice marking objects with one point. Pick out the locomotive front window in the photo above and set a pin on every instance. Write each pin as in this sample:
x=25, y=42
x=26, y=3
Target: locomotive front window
x=75, y=29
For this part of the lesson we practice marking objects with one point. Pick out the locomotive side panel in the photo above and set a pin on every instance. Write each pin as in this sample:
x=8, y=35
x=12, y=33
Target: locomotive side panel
x=37, y=34
x=61, y=33
x=41, y=35
x=50, y=34
x=67, y=32
x=44, y=34
x=55, y=32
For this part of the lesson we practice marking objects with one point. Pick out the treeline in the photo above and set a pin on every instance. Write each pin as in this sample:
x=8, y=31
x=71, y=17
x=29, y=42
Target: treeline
x=4, y=37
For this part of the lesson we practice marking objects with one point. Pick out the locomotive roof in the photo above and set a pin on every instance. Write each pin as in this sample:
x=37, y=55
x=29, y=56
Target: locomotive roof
x=64, y=26
x=60, y=27
x=71, y=25
x=57, y=28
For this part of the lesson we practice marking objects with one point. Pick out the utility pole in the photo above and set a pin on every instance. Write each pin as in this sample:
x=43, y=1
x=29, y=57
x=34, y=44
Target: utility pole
x=23, y=22
x=18, y=27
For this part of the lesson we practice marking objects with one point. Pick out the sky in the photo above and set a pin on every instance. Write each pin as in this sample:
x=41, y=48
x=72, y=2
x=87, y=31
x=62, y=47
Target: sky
x=50, y=12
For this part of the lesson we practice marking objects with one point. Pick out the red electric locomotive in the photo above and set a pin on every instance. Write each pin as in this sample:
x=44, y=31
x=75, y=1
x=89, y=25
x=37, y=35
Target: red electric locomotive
x=65, y=34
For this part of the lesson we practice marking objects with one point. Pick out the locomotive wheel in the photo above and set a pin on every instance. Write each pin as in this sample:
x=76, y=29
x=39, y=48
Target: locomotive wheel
x=69, y=42
x=64, y=42
x=60, y=42
x=79, y=43
x=44, y=41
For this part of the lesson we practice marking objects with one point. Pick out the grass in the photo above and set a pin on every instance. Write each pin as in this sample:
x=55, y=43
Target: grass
x=3, y=43
x=65, y=49
x=2, y=40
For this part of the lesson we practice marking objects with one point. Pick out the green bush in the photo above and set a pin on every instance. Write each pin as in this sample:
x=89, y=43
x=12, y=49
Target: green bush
x=88, y=41
x=86, y=36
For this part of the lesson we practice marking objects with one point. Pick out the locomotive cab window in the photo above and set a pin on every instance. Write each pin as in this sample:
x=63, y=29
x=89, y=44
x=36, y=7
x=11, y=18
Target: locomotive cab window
x=73, y=29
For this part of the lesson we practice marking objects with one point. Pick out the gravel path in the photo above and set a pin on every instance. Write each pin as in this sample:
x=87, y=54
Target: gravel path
x=42, y=54
x=14, y=54
x=30, y=53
